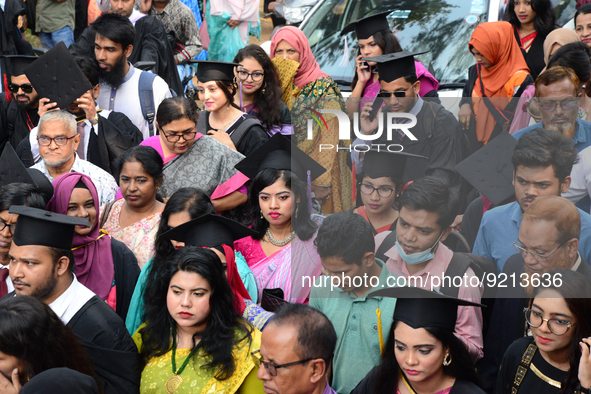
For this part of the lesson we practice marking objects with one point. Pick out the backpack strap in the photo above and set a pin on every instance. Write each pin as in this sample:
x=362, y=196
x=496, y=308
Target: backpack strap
x=524, y=365
x=11, y=116
x=146, y=94
x=241, y=130
x=458, y=265
x=429, y=121
x=501, y=116
x=386, y=245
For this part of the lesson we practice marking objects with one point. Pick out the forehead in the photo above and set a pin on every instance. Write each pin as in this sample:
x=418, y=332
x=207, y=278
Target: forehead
x=53, y=128
x=562, y=88
x=552, y=302
x=419, y=218
x=80, y=194
x=19, y=79
x=284, y=45
x=536, y=174
x=411, y=336
x=378, y=181
x=397, y=84
x=105, y=42
x=32, y=252
x=583, y=19
x=365, y=41
x=250, y=63
x=9, y=218
x=278, y=186
x=133, y=168
x=209, y=84
x=278, y=342
x=537, y=232
x=189, y=280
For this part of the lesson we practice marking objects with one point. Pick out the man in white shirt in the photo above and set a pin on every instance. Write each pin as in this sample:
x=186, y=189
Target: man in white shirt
x=42, y=266
x=58, y=141
x=120, y=81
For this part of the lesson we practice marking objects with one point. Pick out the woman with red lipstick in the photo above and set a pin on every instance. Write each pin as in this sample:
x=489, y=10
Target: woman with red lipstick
x=134, y=219
x=261, y=91
x=422, y=354
x=555, y=358
x=193, y=340
x=583, y=23
x=532, y=21
x=500, y=74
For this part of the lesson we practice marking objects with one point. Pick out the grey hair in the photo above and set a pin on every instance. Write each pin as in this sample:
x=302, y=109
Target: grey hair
x=64, y=117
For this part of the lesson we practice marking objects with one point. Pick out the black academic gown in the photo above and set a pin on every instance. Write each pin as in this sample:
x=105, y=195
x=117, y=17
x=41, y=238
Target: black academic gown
x=437, y=138
x=150, y=44
x=530, y=383
x=103, y=335
x=368, y=385
x=127, y=272
x=535, y=56
x=15, y=123
x=116, y=134
x=507, y=322
x=11, y=40
x=254, y=137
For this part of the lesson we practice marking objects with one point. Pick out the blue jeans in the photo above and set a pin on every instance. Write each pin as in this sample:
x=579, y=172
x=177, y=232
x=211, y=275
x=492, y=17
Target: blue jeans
x=49, y=40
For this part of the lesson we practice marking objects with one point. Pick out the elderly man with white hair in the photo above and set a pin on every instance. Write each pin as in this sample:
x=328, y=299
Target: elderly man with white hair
x=58, y=141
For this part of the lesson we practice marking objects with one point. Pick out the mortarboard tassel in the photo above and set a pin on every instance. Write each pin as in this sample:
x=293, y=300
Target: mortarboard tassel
x=309, y=187
x=380, y=331
x=354, y=192
x=240, y=87
x=7, y=95
x=345, y=59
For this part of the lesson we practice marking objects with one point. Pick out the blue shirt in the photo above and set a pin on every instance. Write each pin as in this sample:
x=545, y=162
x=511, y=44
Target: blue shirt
x=582, y=138
x=500, y=228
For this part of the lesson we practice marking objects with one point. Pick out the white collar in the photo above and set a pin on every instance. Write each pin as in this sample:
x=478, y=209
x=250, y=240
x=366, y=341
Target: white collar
x=71, y=300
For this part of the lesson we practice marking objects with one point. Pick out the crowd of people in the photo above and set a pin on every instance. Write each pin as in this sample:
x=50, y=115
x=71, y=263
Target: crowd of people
x=154, y=243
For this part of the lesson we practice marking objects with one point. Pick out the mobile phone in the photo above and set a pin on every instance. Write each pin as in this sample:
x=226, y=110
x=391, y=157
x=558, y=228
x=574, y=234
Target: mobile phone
x=364, y=64
x=375, y=106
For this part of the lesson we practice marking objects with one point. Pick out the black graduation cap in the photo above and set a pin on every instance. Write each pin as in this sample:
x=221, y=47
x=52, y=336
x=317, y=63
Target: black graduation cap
x=395, y=65
x=57, y=76
x=490, y=170
x=43, y=184
x=209, y=70
x=38, y=227
x=16, y=63
x=423, y=308
x=381, y=162
x=280, y=154
x=209, y=230
x=12, y=169
x=368, y=26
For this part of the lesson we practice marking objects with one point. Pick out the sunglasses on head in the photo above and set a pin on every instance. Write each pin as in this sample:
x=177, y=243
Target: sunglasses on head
x=28, y=88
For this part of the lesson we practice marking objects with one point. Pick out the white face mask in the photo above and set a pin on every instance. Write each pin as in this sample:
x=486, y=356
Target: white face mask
x=419, y=257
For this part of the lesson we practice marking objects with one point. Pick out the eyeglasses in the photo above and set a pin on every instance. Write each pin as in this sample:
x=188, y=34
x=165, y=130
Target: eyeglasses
x=542, y=258
x=272, y=367
x=11, y=227
x=397, y=94
x=59, y=141
x=383, y=192
x=256, y=76
x=176, y=137
x=28, y=88
x=567, y=104
x=557, y=326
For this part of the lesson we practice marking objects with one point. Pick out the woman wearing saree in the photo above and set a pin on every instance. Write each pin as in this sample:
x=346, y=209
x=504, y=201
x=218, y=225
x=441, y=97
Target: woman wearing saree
x=192, y=159
x=500, y=74
x=306, y=89
x=282, y=252
x=103, y=264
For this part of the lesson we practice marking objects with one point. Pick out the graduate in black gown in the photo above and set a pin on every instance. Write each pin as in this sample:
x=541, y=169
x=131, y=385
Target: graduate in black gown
x=18, y=106
x=422, y=354
x=45, y=238
x=436, y=130
x=555, y=359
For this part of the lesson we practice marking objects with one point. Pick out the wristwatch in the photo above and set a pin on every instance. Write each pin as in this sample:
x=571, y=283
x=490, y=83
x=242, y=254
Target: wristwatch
x=583, y=390
x=94, y=121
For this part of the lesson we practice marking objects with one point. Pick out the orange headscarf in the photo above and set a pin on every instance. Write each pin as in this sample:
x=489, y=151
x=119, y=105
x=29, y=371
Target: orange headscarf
x=496, y=42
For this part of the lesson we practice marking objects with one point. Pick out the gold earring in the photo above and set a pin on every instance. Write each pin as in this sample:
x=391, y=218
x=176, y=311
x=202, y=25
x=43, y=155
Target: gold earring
x=262, y=214
x=447, y=360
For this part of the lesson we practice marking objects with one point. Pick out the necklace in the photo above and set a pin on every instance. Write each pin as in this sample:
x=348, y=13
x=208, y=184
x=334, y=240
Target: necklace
x=173, y=382
x=277, y=242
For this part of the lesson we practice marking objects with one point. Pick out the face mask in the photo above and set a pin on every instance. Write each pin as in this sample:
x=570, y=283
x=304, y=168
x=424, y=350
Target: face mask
x=420, y=257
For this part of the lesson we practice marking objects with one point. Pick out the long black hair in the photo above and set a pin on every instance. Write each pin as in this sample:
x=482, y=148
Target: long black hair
x=583, y=10
x=188, y=199
x=32, y=332
x=225, y=328
x=544, y=21
x=387, y=42
x=269, y=113
x=576, y=291
x=147, y=156
x=301, y=223
x=461, y=366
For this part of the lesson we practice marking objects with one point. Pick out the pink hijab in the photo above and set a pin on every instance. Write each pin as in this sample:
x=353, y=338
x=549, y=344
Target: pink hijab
x=309, y=70
x=94, y=259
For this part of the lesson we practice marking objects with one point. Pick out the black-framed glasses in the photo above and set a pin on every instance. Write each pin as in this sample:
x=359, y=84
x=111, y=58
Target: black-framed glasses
x=536, y=319
x=27, y=88
x=256, y=76
x=383, y=192
x=11, y=227
x=272, y=367
x=566, y=104
x=397, y=94
x=59, y=141
x=542, y=258
x=176, y=137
